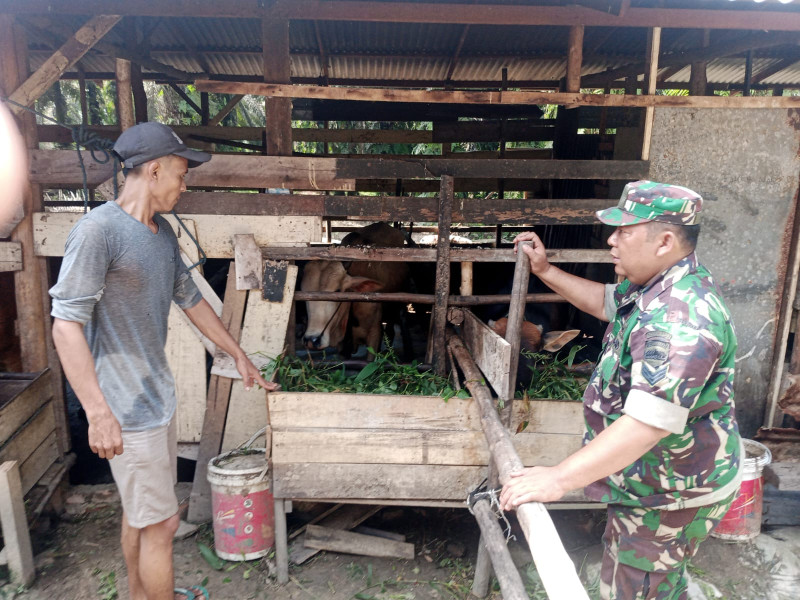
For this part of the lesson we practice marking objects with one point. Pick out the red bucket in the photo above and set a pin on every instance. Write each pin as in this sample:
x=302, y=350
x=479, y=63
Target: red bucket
x=743, y=520
x=242, y=505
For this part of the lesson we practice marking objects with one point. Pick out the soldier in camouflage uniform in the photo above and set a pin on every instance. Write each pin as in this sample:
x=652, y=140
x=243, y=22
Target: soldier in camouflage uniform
x=662, y=446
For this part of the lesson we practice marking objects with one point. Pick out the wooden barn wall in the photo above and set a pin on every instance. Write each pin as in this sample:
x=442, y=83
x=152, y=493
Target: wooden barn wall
x=745, y=164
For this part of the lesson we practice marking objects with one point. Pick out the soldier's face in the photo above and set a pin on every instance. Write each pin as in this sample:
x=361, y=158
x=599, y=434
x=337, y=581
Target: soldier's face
x=635, y=253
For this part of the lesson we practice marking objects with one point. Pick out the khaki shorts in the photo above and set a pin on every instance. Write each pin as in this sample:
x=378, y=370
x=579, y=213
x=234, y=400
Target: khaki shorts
x=146, y=474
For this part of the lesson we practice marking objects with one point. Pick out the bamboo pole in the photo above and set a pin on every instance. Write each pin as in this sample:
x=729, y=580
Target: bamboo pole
x=552, y=561
x=492, y=539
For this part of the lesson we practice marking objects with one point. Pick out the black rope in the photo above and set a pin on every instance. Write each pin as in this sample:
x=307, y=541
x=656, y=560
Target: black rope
x=89, y=140
x=82, y=136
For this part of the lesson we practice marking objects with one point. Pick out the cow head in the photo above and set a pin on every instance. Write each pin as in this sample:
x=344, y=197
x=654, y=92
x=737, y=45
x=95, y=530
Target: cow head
x=327, y=321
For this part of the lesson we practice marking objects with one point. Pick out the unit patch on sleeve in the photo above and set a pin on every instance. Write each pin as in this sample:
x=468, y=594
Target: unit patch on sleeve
x=656, y=354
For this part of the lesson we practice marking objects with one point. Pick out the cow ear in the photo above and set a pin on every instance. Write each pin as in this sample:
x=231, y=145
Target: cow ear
x=360, y=284
x=556, y=340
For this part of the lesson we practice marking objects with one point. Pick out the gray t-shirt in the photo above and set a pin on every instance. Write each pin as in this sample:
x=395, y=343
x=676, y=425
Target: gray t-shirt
x=118, y=279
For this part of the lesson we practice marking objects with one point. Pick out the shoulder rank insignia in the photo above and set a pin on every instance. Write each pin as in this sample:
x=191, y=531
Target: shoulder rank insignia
x=656, y=354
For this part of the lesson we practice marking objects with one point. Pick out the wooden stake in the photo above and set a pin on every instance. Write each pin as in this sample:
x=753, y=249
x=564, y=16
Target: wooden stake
x=442, y=275
x=516, y=315
x=492, y=538
x=574, y=58
x=14, y=524
x=552, y=562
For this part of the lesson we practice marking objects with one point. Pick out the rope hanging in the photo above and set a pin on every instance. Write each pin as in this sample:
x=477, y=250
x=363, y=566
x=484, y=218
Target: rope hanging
x=96, y=144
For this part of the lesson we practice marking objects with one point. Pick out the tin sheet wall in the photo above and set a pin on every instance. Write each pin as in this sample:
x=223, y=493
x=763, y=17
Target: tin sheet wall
x=745, y=164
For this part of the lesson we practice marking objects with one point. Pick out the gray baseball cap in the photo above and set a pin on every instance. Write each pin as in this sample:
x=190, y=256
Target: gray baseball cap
x=150, y=140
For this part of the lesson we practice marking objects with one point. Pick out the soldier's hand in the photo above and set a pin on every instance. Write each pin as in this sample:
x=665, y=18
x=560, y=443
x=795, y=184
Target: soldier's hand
x=251, y=375
x=537, y=484
x=105, y=435
x=536, y=251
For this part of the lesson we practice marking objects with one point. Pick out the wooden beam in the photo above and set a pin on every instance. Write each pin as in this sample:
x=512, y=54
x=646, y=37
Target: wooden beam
x=125, y=112
x=489, y=97
x=727, y=48
x=277, y=69
x=252, y=171
x=516, y=315
x=337, y=540
x=698, y=79
x=225, y=110
x=426, y=254
x=508, y=576
x=574, y=58
x=66, y=56
x=428, y=12
x=186, y=97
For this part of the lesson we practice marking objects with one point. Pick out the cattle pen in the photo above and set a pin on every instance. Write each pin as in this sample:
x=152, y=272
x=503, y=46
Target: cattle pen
x=486, y=117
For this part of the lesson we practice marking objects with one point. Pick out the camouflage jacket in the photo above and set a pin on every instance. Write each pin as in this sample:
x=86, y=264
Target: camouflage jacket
x=668, y=361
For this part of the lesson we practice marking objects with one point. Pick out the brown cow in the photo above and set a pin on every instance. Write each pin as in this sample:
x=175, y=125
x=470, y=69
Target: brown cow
x=328, y=321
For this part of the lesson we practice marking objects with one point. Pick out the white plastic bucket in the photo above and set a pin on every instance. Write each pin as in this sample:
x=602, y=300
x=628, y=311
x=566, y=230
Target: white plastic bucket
x=242, y=505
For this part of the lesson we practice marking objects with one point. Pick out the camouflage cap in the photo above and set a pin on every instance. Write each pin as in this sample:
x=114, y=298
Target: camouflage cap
x=643, y=201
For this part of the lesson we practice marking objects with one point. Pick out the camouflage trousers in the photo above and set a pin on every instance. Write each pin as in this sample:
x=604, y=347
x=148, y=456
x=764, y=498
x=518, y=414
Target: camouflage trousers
x=647, y=550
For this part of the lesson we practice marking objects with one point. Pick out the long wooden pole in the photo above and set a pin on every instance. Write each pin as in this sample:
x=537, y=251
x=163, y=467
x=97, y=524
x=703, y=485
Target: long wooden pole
x=516, y=315
x=490, y=97
x=552, y=561
x=492, y=539
x=653, y=48
x=442, y=275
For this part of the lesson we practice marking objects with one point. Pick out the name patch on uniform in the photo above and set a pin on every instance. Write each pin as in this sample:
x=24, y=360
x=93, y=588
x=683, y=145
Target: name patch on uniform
x=656, y=354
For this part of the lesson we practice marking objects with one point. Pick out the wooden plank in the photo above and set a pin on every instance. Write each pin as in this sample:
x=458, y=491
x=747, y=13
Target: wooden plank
x=10, y=256
x=214, y=232
x=218, y=398
x=26, y=439
x=14, y=525
x=248, y=261
x=552, y=416
x=336, y=540
x=346, y=517
x=651, y=75
x=32, y=395
x=264, y=333
x=490, y=351
x=371, y=411
x=563, y=211
x=40, y=460
x=402, y=482
x=428, y=255
x=60, y=167
x=404, y=446
x=63, y=58
x=492, y=97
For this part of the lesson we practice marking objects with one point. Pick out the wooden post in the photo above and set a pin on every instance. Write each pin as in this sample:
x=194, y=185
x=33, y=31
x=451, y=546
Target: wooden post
x=492, y=540
x=466, y=279
x=748, y=73
x=653, y=47
x=219, y=394
x=442, y=275
x=516, y=315
x=698, y=81
x=552, y=562
x=281, y=542
x=14, y=524
x=574, y=58
x=275, y=41
x=125, y=112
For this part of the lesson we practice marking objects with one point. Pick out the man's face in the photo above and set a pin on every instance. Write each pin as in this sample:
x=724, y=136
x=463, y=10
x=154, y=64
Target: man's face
x=634, y=250
x=170, y=183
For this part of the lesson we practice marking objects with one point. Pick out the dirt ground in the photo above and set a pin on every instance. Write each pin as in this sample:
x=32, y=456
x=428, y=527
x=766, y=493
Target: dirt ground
x=78, y=558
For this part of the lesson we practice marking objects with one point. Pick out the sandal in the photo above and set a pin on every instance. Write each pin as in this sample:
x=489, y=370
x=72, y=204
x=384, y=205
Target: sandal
x=183, y=591
x=199, y=591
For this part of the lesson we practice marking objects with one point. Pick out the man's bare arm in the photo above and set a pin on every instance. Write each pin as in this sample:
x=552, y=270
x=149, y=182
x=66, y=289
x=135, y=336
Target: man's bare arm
x=584, y=294
x=105, y=434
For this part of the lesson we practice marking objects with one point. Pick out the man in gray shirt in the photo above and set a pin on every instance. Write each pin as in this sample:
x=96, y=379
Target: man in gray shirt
x=122, y=269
